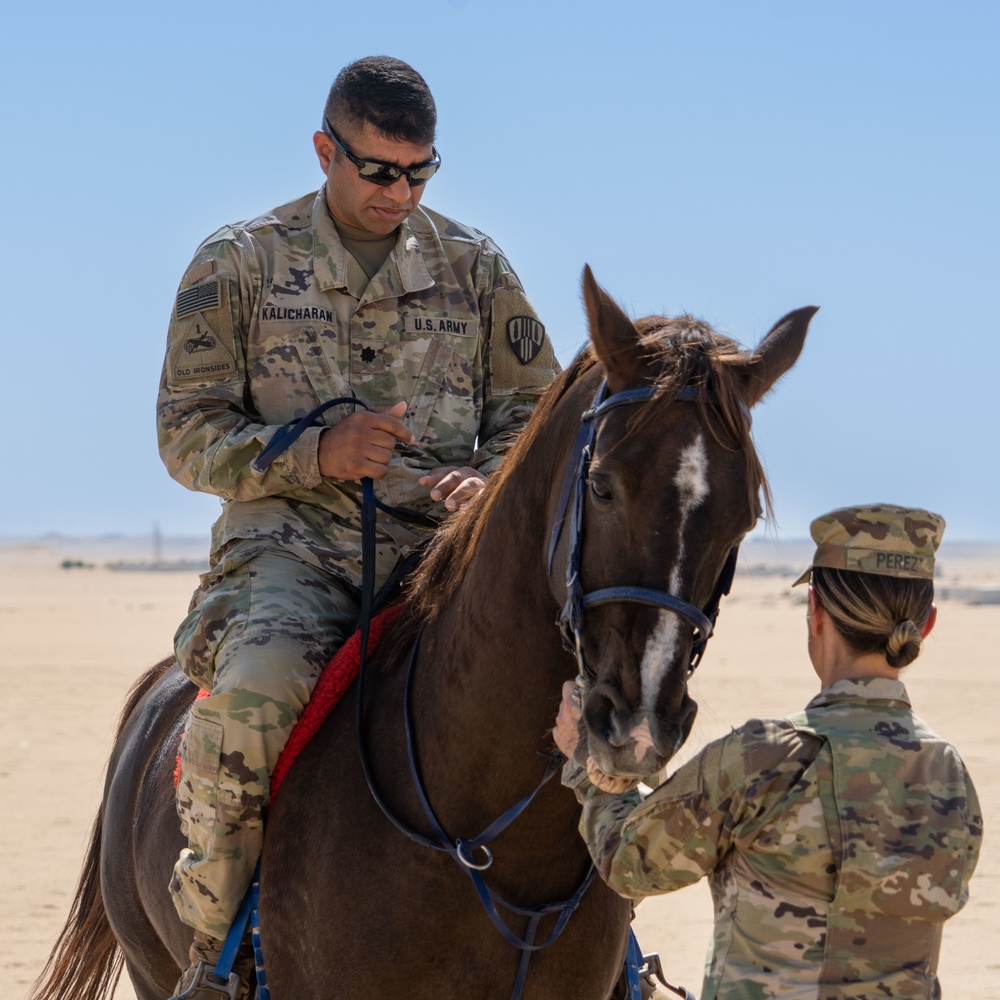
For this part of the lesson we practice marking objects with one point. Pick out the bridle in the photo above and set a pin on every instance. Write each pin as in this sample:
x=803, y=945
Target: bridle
x=574, y=489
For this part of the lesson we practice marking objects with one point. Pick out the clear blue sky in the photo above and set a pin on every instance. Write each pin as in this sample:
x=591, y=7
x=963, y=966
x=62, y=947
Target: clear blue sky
x=734, y=160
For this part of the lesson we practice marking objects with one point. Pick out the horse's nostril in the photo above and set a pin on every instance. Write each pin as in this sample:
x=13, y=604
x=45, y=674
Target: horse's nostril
x=597, y=713
x=608, y=714
x=618, y=738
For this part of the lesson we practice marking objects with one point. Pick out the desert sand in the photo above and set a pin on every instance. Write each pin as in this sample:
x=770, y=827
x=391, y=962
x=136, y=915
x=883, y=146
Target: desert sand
x=73, y=641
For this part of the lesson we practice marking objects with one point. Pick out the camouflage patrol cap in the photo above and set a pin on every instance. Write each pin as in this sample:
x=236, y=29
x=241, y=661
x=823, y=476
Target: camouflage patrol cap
x=877, y=538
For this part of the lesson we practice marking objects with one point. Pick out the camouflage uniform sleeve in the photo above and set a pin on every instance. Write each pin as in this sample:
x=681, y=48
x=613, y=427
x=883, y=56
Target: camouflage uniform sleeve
x=518, y=360
x=207, y=430
x=673, y=837
x=974, y=820
x=685, y=828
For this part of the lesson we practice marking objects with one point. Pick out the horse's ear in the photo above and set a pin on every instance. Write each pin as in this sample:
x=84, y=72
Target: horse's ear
x=612, y=333
x=776, y=353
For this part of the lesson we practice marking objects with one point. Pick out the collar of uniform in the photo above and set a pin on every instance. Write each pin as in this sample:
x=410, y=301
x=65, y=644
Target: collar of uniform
x=328, y=253
x=402, y=272
x=413, y=273
x=330, y=256
x=861, y=689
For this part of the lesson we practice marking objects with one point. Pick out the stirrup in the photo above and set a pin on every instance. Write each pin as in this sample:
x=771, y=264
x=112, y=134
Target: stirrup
x=205, y=979
x=652, y=967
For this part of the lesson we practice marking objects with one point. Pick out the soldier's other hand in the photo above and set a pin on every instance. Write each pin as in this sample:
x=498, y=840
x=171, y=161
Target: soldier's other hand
x=567, y=729
x=453, y=484
x=361, y=444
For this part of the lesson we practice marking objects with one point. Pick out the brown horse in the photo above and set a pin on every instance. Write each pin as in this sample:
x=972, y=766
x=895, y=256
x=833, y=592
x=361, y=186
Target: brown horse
x=348, y=904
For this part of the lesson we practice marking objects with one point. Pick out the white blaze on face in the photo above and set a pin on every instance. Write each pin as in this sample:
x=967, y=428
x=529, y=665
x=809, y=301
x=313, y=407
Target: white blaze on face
x=691, y=480
x=691, y=477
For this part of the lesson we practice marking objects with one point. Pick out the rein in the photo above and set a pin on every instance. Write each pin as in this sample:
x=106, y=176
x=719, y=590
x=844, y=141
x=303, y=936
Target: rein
x=462, y=850
x=574, y=488
x=287, y=435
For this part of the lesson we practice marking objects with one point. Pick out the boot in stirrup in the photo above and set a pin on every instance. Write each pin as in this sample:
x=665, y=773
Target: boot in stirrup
x=199, y=981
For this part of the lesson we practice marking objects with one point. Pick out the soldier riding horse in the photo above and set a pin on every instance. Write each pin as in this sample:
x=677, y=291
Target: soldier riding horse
x=618, y=512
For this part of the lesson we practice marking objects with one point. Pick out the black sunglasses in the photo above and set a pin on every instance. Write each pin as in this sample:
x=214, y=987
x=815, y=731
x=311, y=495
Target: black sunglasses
x=385, y=174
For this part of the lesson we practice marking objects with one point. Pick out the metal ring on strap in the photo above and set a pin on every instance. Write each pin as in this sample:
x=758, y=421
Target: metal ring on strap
x=461, y=846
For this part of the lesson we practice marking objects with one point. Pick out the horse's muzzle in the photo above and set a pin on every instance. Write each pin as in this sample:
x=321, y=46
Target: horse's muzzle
x=627, y=742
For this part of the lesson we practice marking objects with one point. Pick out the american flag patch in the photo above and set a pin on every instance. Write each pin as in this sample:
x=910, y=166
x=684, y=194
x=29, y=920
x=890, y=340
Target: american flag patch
x=198, y=298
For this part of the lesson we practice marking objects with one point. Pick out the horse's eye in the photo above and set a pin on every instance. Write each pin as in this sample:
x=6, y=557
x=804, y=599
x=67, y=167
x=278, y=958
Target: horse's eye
x=600, y=492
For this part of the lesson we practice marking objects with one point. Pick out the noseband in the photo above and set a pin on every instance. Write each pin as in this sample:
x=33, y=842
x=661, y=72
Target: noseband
x=570, y=620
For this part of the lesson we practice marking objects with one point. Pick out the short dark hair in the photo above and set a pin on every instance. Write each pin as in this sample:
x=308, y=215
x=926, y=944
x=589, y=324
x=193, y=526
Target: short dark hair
x=386, y=93
x=876, y=613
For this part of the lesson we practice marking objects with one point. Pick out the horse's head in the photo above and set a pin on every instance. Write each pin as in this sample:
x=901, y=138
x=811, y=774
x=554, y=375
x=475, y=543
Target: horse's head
x=667, y=486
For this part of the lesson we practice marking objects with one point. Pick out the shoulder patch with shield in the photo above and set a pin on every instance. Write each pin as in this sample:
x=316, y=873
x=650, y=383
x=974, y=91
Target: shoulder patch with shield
x=526, y=336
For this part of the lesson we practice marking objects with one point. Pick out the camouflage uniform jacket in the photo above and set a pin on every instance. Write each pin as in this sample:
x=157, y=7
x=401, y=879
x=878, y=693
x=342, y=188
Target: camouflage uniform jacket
x=836, y=842
x=274, y=316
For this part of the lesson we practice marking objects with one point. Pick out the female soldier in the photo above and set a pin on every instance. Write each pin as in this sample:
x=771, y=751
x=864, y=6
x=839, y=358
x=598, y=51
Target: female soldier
x=837, y=841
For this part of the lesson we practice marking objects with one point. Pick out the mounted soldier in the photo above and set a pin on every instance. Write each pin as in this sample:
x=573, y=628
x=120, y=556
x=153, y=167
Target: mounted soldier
x=351, y=291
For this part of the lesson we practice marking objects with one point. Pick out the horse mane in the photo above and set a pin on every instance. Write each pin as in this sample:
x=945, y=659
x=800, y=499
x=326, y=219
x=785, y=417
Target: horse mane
x=681, y=352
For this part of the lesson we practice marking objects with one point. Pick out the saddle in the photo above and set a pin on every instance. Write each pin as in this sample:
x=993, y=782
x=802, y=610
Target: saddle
x=338, y=675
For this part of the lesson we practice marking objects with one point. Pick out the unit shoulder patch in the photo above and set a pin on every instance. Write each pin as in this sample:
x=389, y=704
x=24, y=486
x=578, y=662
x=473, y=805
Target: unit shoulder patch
x=526, y=334
x=200, y=354
x=521, y=357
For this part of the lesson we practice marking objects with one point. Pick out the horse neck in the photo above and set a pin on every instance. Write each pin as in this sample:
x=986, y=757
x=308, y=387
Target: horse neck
x=494, y=655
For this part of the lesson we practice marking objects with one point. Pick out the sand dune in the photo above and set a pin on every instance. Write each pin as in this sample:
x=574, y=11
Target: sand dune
x=73, y=640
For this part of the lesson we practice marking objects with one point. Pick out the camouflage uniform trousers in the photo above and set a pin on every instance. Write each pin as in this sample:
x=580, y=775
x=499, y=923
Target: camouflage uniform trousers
x=262, y=626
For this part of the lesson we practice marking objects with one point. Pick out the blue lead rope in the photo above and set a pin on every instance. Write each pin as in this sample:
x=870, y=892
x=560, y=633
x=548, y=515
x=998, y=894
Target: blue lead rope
x=287, y=435
x=258, y=953
x=231, y=946
x=633, y=959
x=249, y=911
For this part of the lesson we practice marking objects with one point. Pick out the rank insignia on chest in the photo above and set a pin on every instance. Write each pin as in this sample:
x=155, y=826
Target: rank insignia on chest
x=526, y=335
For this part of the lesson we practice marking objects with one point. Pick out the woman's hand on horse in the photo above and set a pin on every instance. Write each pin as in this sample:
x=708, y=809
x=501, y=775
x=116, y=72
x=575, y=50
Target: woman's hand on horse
x=567, y=736
x=362, y=443
x=453, y=484
x=567, y=729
